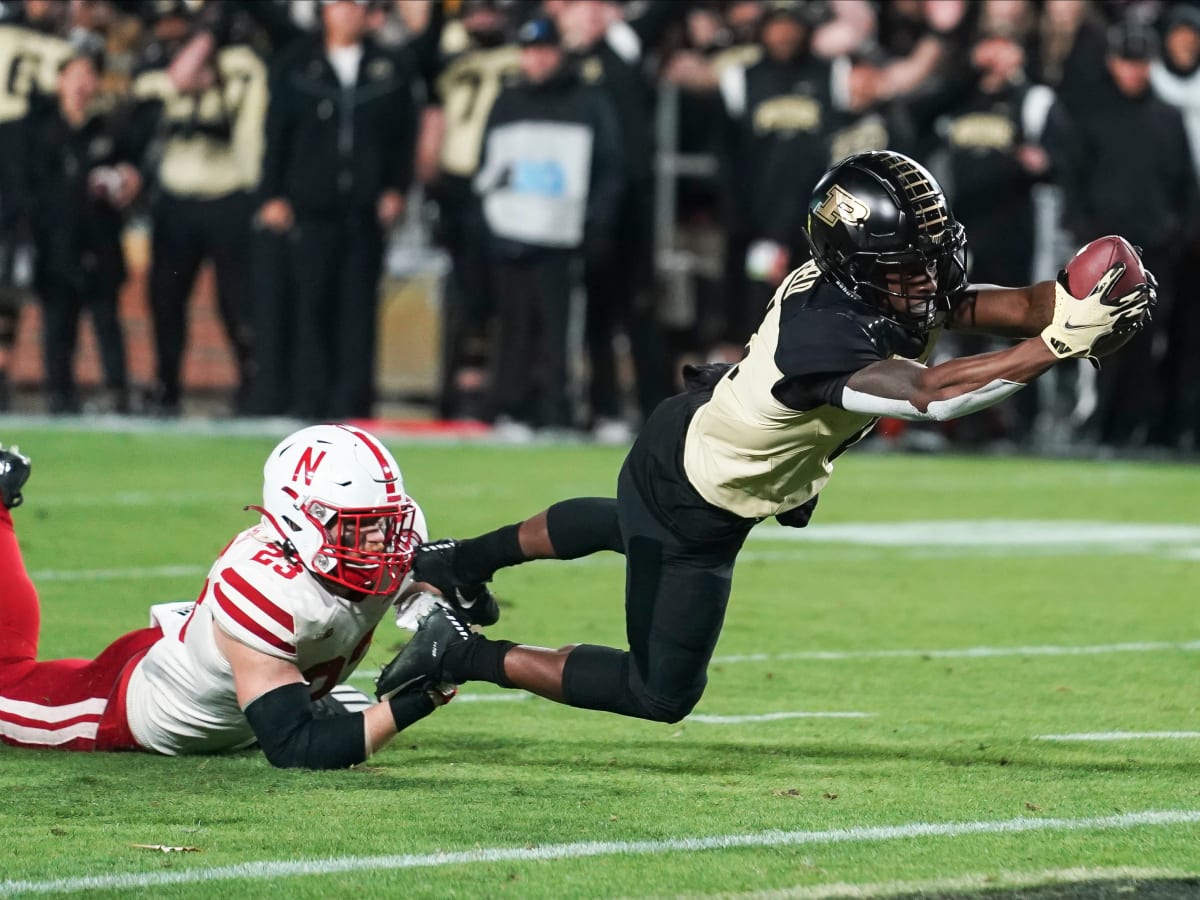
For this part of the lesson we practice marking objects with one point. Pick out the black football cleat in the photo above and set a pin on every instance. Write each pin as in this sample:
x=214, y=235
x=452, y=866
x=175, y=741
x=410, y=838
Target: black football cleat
x=14, y=472
x=434, y=563
x=419, y=664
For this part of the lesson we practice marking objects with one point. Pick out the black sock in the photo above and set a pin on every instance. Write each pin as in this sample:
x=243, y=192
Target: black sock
x=477, y=559
x=478, y=659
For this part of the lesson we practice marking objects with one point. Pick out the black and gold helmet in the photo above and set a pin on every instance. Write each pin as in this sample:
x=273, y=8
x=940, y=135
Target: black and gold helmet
x=880, y=228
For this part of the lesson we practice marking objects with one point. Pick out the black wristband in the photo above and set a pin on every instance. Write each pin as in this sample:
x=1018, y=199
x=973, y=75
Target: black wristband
x=410, y=707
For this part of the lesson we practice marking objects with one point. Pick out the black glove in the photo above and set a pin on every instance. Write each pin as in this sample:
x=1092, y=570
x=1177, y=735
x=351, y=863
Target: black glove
x=704, y=377
x=476, y=602
x=800, y=516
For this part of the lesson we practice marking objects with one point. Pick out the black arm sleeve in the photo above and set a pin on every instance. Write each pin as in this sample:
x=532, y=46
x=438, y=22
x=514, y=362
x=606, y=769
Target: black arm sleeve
x=607, y=175
x=291, y=738
x=278, y=132
x=400, y=137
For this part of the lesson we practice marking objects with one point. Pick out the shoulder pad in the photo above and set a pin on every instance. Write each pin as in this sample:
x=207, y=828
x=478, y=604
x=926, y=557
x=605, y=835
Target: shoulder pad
x=890, y=337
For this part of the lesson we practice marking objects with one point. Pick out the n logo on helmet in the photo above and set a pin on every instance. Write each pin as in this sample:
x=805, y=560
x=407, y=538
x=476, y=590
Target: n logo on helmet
x=307, y=465
x=839, y=203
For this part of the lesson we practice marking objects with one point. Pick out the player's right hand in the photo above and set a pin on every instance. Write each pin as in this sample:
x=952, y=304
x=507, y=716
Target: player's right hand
x=1079, y=323
x=442, y=693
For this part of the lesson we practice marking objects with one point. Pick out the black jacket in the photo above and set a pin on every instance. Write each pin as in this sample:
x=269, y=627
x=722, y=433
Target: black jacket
x=615, y=64
x=77, y=234
x=331, y=150
x=1131, y=172
x=989, y=189
x=544, y=118
x=777, y=144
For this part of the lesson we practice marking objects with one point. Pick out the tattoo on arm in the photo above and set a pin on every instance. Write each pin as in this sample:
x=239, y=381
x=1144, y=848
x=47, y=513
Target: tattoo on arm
x=1004, y=311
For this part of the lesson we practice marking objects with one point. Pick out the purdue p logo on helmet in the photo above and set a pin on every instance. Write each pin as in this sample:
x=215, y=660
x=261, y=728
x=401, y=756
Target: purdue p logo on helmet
x=839, y=203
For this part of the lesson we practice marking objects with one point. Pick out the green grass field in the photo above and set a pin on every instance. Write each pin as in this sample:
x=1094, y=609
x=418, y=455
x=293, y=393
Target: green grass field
x=960, y=617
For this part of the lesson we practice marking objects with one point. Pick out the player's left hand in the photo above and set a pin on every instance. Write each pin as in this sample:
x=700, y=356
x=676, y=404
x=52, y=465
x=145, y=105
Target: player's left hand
x=800, y=516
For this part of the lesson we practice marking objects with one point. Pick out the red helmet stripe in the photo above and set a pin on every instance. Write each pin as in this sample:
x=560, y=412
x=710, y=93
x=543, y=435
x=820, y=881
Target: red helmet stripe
x=389, y=476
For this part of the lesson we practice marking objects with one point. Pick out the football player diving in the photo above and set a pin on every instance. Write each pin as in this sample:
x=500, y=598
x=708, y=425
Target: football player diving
x=843, y=341
x=286, y=613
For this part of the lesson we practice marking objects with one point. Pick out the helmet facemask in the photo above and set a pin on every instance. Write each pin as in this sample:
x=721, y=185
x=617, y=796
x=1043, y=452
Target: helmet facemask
x=368, y=550
x=924, y=279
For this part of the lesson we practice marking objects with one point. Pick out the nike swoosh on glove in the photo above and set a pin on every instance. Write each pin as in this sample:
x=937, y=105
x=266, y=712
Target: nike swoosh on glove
x=1079, y=323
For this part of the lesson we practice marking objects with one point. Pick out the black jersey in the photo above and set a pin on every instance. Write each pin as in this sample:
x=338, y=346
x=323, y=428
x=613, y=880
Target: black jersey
x=765, y=441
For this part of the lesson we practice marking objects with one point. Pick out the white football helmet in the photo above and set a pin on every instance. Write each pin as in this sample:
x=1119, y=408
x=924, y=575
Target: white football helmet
x=335, y=496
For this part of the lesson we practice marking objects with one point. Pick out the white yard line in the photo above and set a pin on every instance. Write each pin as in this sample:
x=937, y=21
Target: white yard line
x=773, y=717
x=1066, y=534
x=1121, y=736
x=982, y=881
x=275, y=869
x=967, y=652
x=943, y=653
x=845, y=540
x=134, y=574
x=514, y=696
x=145, y=498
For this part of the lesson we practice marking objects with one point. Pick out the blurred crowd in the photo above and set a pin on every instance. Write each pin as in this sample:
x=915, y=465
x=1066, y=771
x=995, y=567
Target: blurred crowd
x=618, y=187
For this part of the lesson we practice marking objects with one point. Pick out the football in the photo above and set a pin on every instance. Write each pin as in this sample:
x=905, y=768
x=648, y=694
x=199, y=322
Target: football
x=1087, y=266
x=1094, y=259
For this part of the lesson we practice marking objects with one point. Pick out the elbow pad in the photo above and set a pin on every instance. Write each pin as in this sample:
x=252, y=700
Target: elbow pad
x=291, y=737
x=938, y=411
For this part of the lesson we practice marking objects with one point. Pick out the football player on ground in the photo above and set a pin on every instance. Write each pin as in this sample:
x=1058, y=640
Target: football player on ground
x=286, y=613
x=843, y=342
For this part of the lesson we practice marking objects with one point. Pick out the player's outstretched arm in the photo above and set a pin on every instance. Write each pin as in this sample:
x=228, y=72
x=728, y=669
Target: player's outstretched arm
x=902, y=389
x=959, y=387
x=275, y=699
x=1018, y=312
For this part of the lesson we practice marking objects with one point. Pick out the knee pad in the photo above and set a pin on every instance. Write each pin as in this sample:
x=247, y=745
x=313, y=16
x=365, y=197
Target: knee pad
x=583, y=526
x=602, y=678
x=670, y=708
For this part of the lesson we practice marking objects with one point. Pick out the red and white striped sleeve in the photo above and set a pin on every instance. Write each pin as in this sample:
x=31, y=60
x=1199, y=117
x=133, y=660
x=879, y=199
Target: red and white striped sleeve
x=244, y=605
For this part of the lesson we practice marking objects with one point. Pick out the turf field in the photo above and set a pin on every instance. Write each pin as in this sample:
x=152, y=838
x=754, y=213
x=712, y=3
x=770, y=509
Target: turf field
x=968, y=673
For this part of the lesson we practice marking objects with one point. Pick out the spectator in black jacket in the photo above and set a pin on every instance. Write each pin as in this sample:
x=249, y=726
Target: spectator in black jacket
x=79, y=180
x=1133, y=176
x=341, y=132
x=610, y=54
x=550, y=182
x=472, y=71
x=779, y=112
x=1176, y=78
x=999, y=134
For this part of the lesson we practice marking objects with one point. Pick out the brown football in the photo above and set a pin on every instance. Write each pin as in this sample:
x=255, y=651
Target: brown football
x=1094, y=259
x=1087, y=266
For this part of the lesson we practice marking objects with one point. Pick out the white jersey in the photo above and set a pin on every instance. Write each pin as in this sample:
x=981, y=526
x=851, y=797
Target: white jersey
x=181, y=697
